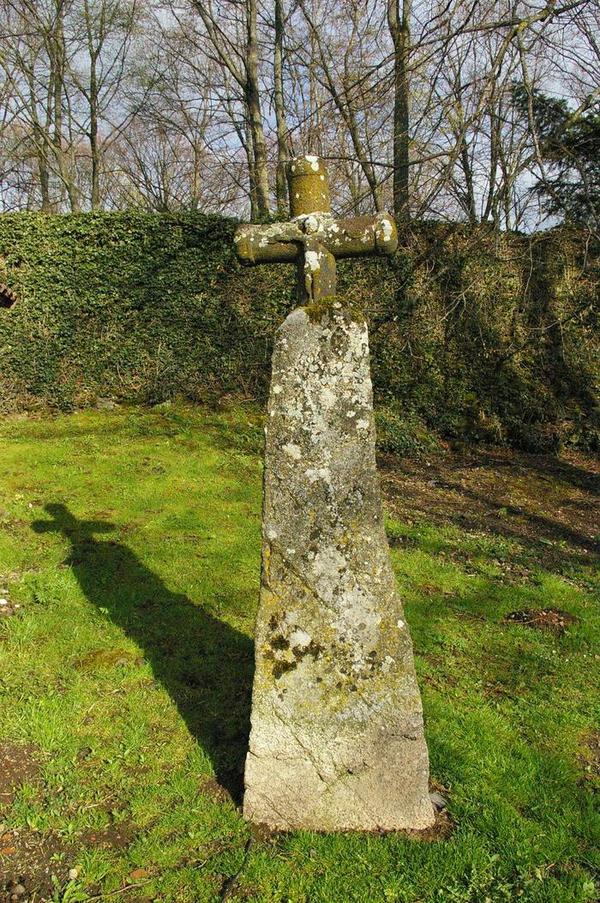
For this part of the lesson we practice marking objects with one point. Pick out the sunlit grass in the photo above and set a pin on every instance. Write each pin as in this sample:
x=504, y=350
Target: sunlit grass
x=131, y=541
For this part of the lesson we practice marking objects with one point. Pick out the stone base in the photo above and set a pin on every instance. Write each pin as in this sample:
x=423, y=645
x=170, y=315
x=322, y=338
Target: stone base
x=337, y=731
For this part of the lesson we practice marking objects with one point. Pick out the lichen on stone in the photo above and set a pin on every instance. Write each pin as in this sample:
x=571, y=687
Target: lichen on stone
x=336, y=710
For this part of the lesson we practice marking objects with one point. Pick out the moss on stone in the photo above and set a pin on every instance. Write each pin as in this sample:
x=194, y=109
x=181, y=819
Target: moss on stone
x=324, y=306
x=308, y=186
x=313, y=649
x=280, y=668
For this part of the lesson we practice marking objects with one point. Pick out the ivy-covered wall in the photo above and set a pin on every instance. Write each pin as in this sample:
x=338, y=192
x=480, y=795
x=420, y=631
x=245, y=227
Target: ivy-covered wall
x=472, y=336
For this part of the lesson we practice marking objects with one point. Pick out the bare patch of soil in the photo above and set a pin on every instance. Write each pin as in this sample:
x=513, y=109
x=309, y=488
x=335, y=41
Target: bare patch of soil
x=549, y=505
x=440, y=829
x=114, y=837
x=30, y=864
x=28, y=860
x=589, y=757
x=7, y=606
x=215, y=791
x=18, y=766
x=552, y=619
x=102, y=659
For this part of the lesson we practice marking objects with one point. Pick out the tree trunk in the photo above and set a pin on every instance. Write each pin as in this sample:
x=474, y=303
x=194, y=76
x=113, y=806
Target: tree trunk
x=58, y=54
x=249, y=151
x=469, y=188
x=282, y=152
x=252, y=97
x=399, y=26
x=94, y=149
x=41, y=144
x=42, y=161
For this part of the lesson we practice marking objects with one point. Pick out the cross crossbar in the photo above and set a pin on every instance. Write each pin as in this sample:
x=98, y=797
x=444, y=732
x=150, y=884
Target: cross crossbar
x=314, y=238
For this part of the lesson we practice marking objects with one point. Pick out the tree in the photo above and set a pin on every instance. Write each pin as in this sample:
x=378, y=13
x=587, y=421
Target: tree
x=236, y=48
x=36, y=55
x=399, y=16
x=569, y=147
x=198, y=103
x=280, y=115
x=108, y=27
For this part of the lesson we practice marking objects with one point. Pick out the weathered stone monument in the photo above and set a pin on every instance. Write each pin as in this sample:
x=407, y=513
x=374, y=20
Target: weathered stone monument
x=337, y=731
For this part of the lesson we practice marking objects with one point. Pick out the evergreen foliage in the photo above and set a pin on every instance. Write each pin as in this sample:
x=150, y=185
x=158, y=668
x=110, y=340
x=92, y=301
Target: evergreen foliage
x=570, y=148
x=473, y=335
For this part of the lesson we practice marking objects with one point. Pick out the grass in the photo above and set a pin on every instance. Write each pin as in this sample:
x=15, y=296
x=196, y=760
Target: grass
x=130, y=541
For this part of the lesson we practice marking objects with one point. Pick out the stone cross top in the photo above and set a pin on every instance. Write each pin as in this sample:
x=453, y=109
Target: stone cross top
x=314, y=238
x=337, y=730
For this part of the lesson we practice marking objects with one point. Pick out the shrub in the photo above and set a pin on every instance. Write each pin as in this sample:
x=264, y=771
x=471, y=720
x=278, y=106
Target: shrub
x=472, y=336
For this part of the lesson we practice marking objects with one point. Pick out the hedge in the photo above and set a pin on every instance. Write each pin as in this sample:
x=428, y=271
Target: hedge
x=473, y=335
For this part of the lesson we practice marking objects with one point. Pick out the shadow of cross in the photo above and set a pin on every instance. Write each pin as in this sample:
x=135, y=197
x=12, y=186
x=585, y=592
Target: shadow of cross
x=204, y=664
x=313, y=238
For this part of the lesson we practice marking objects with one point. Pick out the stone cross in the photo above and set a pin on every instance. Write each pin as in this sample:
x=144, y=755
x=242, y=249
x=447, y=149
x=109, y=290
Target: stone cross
x=314, y=239
x=337, y=737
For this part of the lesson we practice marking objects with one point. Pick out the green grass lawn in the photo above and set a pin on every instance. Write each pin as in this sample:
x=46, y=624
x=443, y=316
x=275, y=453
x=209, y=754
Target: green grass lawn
x=129, y=559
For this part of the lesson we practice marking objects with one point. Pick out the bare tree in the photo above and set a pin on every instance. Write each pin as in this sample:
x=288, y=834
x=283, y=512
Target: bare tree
x=193, y=103
x=399, y=16
x=234, y=41
x=35, y=58
x=107, y=27
x=279, y=101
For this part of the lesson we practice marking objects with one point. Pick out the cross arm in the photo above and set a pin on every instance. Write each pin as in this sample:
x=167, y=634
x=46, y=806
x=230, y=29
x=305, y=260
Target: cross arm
x=313, y=238
x=281, y=242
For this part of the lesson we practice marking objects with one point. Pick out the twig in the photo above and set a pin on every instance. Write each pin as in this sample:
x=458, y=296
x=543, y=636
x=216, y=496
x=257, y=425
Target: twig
x=120, y=890
x=230, y=883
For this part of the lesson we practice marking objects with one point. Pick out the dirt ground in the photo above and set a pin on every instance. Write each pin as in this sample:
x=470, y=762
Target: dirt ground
x=550, y=506
x=28, y=859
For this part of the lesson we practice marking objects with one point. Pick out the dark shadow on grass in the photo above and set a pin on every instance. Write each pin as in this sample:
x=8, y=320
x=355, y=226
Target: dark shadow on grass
x=204, y=664
x=440, y=495
x=539, y=525
x=551, y=468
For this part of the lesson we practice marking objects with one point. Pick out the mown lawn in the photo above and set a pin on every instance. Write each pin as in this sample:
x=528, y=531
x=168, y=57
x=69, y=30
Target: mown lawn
x=129, y=562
